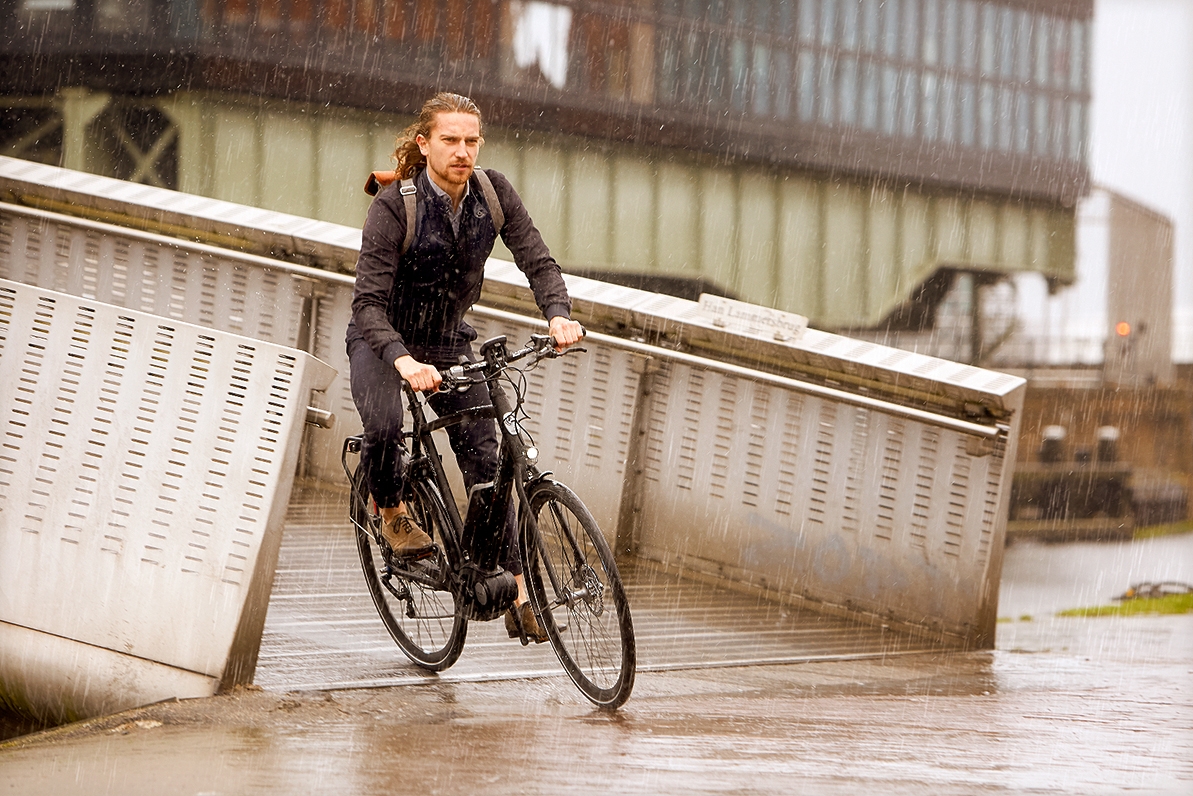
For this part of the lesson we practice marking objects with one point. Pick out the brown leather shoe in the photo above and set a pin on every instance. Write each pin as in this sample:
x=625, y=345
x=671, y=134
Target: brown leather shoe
x=406, y=539
x=520, y=622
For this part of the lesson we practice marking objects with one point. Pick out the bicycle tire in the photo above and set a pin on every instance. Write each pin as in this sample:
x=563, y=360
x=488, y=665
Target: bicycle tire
x=427, y=623
x=595, y=643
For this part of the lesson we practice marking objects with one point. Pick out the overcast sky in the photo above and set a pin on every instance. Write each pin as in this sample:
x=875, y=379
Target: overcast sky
x=1141, y=132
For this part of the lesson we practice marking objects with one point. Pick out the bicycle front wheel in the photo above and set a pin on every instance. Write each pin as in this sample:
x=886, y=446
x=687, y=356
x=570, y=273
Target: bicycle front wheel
x=413, y=600
x=577, y=594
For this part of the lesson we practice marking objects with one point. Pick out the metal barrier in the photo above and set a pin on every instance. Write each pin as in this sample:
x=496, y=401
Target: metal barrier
x=145, y=469
x=867, y=480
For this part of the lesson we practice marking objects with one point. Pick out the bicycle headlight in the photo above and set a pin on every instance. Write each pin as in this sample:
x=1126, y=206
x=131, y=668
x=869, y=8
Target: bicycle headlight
x=532, y=454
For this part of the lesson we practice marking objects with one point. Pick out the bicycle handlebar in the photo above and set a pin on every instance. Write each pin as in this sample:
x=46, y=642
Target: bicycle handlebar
x=497, y=358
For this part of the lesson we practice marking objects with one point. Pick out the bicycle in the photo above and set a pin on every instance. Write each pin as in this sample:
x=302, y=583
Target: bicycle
x=571, y=577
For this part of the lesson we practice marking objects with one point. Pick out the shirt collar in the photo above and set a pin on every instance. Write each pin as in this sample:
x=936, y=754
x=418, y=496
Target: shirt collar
x=440, y=192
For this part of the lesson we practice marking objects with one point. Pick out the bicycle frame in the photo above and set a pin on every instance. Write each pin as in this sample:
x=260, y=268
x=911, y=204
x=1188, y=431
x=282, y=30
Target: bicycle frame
x=516, y=469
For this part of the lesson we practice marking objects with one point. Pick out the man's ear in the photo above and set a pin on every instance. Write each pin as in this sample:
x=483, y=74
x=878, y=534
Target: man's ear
x=422, y=143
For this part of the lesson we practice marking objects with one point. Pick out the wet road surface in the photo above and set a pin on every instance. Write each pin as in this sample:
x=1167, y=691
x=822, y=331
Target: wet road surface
x=322, y=630
x=1064, y=705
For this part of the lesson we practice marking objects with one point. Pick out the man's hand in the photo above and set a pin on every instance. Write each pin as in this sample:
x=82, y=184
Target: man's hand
x=566, y=332
x=422, y=378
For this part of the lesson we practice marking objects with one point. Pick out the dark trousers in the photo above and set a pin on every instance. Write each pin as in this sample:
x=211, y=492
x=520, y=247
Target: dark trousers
x=377, y=392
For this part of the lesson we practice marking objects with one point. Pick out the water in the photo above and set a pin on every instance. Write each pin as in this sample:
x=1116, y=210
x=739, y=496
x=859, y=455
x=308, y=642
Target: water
x=1063, y=705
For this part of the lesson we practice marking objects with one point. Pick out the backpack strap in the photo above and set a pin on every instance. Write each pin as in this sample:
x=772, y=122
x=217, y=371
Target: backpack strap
x=408, y=191
x=380, y=179
x=491, y=199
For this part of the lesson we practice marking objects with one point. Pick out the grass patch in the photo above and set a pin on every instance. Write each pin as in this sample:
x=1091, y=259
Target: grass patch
x=1168, y=529
x=1168, y=604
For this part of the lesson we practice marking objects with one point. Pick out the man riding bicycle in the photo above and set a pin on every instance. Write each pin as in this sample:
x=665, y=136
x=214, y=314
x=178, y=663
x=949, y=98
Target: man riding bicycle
x=408, y=307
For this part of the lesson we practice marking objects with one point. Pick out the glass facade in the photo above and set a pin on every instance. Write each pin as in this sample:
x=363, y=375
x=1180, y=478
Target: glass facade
x=1010, y=79
x=906, y=87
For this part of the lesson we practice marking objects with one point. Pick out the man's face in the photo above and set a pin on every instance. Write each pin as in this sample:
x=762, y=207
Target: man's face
x=451, y=148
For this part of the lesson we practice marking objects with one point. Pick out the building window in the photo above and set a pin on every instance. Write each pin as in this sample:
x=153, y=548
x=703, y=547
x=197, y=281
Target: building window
x=1022, y=122
x=986, y=115
x=969, y=35
x=871, y=32
x=888, y=96
x=948, y=109
x=1042, y=30
x=739, y=69
x=1040, y=133
x=807, y=85
x=1077, y=48
x=869, y=96
x=762, y=89
x=1077, y=112
x=890, y=28
x=782, y=84
x=828, y=89
x=1006, y=44
x=968, y=105
x=989, y=39
x=1005, y=102
x=848, y=83
x=950, y=41
x=1060, y=56
x=828, y=21
x=911, y=30
x=850, y=11
x=989, y=75
x=930, y=105
x=1022, y=46
x=807, y=20
x=909, y=86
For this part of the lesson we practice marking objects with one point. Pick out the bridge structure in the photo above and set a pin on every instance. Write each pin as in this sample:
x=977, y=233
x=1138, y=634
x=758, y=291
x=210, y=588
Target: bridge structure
x=730, y=453
x=855, y=163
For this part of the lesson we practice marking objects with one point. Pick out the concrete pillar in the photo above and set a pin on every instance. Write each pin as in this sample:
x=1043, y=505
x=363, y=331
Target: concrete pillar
x=79, y=107
x=186, y=112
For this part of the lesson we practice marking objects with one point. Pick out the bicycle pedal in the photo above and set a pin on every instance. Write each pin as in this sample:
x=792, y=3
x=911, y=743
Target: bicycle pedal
x=414, y=555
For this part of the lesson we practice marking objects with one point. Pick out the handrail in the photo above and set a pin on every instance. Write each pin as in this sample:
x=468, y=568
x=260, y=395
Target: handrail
x=911, y=413
x=305, y=272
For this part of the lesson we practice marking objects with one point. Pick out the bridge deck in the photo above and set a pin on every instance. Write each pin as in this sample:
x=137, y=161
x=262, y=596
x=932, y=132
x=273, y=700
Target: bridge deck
x=322, y=631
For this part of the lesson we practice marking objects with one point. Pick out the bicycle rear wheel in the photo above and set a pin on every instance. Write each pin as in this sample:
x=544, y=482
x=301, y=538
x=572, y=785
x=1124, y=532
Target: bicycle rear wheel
x=414, y=601
x=577, y=594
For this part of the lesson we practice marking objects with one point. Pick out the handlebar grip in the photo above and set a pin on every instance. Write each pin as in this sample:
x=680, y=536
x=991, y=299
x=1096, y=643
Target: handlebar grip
x=555, y=343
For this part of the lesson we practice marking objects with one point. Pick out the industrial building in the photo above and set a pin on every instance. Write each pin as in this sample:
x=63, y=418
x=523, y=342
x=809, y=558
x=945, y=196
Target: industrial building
x=853, y=162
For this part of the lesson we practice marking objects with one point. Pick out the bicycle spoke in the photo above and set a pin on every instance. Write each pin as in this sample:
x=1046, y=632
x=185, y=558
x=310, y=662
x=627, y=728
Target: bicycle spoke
x=574, y=582
x=416, y=606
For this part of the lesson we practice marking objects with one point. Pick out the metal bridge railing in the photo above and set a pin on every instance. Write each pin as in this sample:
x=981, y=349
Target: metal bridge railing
x=863, y=479
x=145, y=469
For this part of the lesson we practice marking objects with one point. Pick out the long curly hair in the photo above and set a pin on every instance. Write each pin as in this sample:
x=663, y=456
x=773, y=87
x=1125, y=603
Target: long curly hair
x=406, y=153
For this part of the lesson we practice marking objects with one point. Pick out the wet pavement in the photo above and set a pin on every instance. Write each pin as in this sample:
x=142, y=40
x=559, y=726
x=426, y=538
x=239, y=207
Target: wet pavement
x=322, y=630
x=1063, y=705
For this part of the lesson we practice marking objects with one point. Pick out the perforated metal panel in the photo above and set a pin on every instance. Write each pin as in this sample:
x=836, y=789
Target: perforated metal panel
x=194, y=284
x=145, y=466
x=835, y=503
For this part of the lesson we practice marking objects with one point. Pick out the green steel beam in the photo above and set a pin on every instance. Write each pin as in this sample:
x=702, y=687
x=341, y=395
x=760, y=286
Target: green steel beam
x=844, y=252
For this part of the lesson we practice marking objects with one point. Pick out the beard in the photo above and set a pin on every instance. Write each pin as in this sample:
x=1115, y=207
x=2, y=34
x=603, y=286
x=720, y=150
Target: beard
x=451, y=175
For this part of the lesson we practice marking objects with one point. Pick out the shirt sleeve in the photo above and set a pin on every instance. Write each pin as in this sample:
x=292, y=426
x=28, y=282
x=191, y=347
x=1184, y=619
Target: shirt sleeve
x=530, y=251
x=380, y=247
